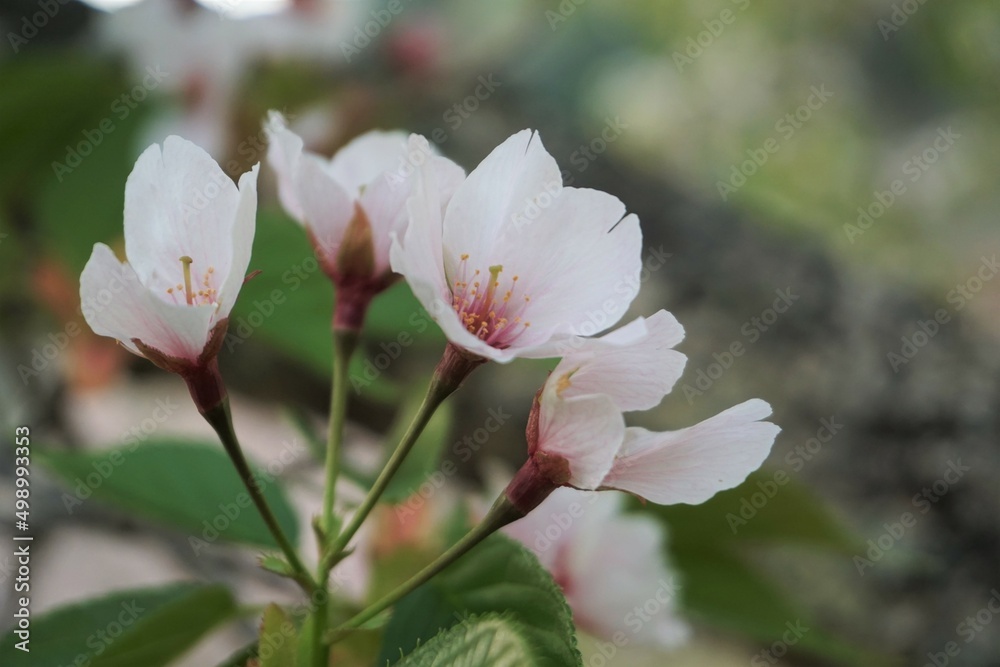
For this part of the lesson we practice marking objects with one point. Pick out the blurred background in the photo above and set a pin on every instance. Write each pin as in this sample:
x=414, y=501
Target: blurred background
x=817, y=185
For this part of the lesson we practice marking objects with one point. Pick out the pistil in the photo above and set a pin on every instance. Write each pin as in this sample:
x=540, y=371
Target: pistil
x=188, y=293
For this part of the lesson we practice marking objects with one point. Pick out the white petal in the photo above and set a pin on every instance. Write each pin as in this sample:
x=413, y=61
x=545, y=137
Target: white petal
x=585, y=430
x=116, y=304
x=384, y=201
x=510, y=177
x=244, y=226
x=549, y=528
x=284, y=150
x=178, y=202
x=608, y=562
x=693, y=464
x=634, y=364
x=579, y=261
x=327, y=208
x=616, y=564
x=366, y=158
x=417, y=253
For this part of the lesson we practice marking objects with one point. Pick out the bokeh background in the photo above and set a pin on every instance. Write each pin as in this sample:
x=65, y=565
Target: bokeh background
x=839, y=160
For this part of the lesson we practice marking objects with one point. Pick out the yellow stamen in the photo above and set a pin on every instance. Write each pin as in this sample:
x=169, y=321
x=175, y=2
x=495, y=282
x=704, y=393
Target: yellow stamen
x=186, y=261
x=563, y=384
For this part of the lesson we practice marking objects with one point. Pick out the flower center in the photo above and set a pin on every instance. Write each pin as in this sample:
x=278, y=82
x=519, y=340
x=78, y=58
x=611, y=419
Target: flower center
x=488, y=312
x=205, y=292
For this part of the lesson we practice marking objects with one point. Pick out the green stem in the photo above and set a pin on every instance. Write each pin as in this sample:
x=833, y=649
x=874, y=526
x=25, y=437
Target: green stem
x=502, y=513
x=454, y=367
x=437, y=391
x=221, y=420
x=344, y=343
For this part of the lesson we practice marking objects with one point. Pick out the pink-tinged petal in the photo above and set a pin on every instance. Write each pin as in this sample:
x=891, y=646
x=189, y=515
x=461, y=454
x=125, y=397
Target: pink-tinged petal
x=607, y=563
x=587, y=431
x=693, y=464
x=327, y=207
x=417, y=253
x=616, y=564
x=179, y=202
x=244, y=226
x=579, y=263
x=116, y=304
x=634, y=364
x=365, y=160
x=384, y=201
x=516, y=173
x=284, y=150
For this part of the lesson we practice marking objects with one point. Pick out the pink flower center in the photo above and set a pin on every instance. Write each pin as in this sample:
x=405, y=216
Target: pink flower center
x=195, y=294
x=489, y=306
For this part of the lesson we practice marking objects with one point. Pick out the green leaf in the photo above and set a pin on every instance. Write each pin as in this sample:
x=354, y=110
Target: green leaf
x=720, y=590
x=149, y=627
x=241, y=657
x=761, y=510
x=48, y=103
x=488, y=640
x=86, y=205
x=290, y=302
x=498, y=576
x=278, y=565
x=397, y=315
x=425, y=457
x=193, y=487
x=709, y=543
x=278, y=639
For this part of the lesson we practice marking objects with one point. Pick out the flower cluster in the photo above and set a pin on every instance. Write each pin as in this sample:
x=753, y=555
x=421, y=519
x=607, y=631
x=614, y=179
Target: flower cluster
x=510, y=263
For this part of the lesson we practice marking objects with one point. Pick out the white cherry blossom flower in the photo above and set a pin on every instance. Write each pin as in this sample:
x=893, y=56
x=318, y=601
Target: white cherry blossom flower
x=188, y=235
x=515, y=262
x=577, y=434
x=351, y=205
x=607, y=563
